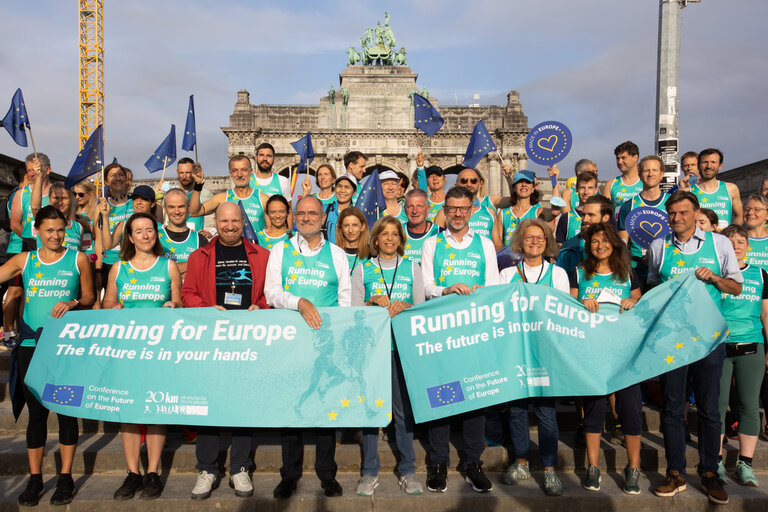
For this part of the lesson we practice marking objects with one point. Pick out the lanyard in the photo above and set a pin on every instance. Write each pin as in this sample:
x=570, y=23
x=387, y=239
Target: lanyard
x=521, y=271
x=352, y=268
x=389, y=290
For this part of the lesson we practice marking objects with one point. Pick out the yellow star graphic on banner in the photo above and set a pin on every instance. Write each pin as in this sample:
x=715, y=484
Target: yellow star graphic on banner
x=332, y=416
x=670, y=359
x=389, y=415
x=716, y=335
x=361, y=398
x=694, y=338
x=379, y=402
x=678, y=346
x=345, y=403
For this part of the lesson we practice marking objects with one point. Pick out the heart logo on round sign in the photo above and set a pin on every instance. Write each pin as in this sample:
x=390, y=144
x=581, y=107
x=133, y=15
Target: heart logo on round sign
x=542, y=143
x=652, y=228
x=548, y=143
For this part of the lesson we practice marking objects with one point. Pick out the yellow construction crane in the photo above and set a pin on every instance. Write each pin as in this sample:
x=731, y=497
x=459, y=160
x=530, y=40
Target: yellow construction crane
x=91, y=22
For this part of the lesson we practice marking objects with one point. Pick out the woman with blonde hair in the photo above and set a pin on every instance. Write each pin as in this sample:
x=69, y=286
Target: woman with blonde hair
x=391, y=281
x=534, y=240
x=352, y=236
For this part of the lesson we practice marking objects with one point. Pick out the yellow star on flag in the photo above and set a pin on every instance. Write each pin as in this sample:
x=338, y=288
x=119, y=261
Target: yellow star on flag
x=332, y=416
x=678, y=346
x=345, y=403
x=670, y=359
x=379, y=402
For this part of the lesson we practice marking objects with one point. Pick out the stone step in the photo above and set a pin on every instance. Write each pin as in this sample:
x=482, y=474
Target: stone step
x=95, y=494
x=103, y=453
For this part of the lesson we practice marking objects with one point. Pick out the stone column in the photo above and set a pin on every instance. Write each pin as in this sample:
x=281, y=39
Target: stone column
x=495, y=177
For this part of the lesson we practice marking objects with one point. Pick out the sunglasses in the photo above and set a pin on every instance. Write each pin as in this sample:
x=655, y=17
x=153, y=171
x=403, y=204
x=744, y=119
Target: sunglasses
x=468, y=180
x=80, y=194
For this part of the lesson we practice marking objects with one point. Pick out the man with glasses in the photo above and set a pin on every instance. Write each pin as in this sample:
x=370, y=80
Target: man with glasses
x=457, y=261
x=482, y=219
x=288, y=262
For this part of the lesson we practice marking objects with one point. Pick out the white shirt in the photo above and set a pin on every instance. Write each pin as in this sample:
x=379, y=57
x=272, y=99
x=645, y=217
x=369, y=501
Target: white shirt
x=559, y=277
x=278, y=298
x=428, y=260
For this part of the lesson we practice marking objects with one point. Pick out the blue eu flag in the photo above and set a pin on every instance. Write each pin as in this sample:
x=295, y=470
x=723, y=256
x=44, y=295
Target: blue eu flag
x=371, y=199
x=426, y=117
x=16, y=118
x=303, y=147
x=89, y=160
x=63, y=395
x=190, y=137
x=165, y=154
x=248, y=232
x=479, y=145
x=445, y=394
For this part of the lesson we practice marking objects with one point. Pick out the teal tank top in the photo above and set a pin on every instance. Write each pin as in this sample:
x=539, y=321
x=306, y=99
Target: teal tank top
x=178, y=251
x=757, y=252
x=45, y=285
x=402, y=217
x=574, y=224
x=270, y=241
x=271, y=188
x=311, y=277
x=412, y=249
x=434, y=209
x=453, y=265
x=326, y=202
x=481, y=222
x=117, y=214
x=718, y=201
x=14, y=242
x=591, y=288
x=399, y=281
x=742, y=312
x=28, y=220
x=509, y=221
x=197, y=222
x=621, y=192
x=252, y=206
x=150, y=288
x=544, y=280
x=674, y=263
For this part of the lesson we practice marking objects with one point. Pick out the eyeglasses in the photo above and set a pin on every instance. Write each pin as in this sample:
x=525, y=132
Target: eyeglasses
x=459, y=209
x=464, y=181
x=80, y=194
x=754, y=210
x=308, y=214
x=534, y=238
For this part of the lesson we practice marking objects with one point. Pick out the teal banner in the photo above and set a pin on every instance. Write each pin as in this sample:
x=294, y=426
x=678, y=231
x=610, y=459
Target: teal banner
x=502, y=343
x=203, y=366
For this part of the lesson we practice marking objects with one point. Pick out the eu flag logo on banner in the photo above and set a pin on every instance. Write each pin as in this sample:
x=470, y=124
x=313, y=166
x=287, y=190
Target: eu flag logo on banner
x=426, y=117
x=445, y=394
x=89, y=160
x=190, y=137
x=63, y=395
x=479, y=145
x=16, y=119
x=248, y=232
x=371, y=199
x=165, y=154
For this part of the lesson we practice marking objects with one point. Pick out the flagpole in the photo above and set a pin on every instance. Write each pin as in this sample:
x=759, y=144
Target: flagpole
x=165, y=159
x=34, y=150
x=103, y=187
x=197, y=161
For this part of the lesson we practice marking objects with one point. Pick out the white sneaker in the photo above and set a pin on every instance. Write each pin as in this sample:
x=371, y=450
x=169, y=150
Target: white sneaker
x=410, y=484
x=366, y=485
x=206, y=482
x=241, y=483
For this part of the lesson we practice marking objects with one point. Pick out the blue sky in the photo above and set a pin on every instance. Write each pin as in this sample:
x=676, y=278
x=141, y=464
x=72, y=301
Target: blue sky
x=590, y=64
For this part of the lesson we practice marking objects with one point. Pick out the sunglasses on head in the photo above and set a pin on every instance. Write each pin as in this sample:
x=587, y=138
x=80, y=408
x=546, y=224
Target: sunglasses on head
x=468, y=180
